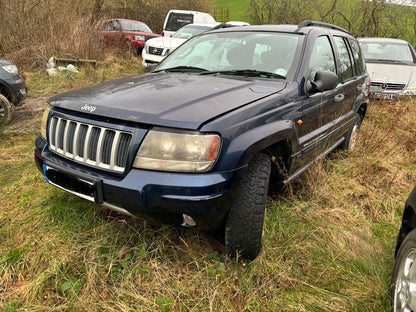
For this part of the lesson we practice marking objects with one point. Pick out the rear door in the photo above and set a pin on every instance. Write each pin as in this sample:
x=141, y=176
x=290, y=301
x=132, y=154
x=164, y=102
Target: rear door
x=112, y=34
x=352, y=80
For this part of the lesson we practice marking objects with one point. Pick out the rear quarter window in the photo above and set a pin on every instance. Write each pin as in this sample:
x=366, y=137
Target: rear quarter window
x=358, y=55
x=347, y=65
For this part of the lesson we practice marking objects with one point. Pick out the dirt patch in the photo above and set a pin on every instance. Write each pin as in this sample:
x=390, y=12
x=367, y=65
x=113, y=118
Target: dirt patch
x=27, y=117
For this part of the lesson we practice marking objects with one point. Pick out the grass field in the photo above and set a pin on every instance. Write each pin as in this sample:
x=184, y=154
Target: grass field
x=328, y=240
x=238, y=9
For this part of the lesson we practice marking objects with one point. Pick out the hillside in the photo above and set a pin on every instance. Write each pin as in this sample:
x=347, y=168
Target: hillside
x=238, y=9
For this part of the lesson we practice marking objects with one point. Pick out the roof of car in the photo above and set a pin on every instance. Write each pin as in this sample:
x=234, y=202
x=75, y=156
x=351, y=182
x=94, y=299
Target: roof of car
x=382, y=39
x=187, y=11
x=286, y=28
x=123, y=19
x=201, y=25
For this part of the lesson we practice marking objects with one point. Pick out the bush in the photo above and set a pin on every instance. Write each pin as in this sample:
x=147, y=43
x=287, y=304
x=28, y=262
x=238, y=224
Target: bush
x=31, y=32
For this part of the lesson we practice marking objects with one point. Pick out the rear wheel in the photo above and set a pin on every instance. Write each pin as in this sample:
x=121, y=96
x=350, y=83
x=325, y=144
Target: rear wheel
x=351, y=138
x=6, y=111
x=403, y=281
x=244, y=225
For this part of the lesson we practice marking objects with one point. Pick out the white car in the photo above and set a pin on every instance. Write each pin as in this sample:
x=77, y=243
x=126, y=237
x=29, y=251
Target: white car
x=391, y=64
x=157, y=49
x=176, y=19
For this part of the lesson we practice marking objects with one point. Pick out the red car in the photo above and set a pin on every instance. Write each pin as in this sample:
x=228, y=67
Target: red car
x=126, y=33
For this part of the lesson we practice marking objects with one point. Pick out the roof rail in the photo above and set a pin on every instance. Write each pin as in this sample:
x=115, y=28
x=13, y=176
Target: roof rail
x=317, y=23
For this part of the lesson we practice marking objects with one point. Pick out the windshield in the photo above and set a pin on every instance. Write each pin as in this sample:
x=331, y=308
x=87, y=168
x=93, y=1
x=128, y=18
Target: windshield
x=238, y=53
x=387, y=51
x=187, y=32
x=135, y=26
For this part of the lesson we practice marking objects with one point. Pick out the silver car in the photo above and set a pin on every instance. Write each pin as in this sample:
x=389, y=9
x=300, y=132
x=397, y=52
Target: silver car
x=391, y=64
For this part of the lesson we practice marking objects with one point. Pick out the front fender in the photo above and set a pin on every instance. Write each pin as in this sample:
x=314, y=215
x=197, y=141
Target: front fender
x=245, y=146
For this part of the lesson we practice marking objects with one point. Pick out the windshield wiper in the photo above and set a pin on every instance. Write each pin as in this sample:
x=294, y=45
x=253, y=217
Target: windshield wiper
x=245, y=72
x=184, y=69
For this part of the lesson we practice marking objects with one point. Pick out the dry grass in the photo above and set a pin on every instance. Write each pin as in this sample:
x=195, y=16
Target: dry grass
x=328, y=244
x=33, y=31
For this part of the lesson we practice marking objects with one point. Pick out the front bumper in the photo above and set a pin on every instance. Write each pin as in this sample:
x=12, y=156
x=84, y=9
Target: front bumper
x=148, y=59
x=161, y=195
x=390, y=91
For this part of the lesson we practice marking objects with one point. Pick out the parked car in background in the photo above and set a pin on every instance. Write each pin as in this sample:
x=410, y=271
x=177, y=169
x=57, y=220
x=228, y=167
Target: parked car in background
x=197, y=142
x=124, y=33
x=12, y=90
x=176, y=19
x=156, y=49
x=391, y=64
x=403, y=282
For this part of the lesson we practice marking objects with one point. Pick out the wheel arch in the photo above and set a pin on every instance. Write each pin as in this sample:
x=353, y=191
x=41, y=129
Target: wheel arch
x=275, y=139
x=408, y=220
x=362, y=110
x=5, y=91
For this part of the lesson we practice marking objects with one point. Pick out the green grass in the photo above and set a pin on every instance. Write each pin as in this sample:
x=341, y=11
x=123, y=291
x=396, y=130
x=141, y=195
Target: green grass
x=328, y=240
x=238, y=9
x=112, y=67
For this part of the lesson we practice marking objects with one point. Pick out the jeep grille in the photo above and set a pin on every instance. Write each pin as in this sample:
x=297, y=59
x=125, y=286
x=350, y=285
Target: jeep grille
x=92, y=145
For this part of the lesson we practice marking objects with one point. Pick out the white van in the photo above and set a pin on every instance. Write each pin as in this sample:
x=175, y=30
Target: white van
x=175, y=19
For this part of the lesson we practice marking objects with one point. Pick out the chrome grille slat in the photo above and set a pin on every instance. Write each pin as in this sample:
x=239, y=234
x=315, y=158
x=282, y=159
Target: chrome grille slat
x=86, y=145
x=114, y=150
x=96, y=146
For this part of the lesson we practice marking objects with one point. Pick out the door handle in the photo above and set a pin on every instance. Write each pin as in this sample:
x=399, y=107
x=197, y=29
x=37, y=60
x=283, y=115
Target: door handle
x=339, y=97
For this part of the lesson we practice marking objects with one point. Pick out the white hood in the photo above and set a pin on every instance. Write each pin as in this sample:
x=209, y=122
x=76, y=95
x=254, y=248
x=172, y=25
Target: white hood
x=394, y=73
x=165, y=42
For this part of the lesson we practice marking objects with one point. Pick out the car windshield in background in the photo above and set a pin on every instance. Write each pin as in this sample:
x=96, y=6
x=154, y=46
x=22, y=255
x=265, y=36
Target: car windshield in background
x=238, y=53
x=134, y=26
x=189, y=31
x=386, y=51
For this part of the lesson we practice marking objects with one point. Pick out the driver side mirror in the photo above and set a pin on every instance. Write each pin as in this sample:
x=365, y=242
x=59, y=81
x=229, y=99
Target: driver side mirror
x=323, y=81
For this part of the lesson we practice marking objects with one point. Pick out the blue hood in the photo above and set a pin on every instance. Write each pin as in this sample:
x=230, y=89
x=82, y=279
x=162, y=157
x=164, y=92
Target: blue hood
x=167, y=99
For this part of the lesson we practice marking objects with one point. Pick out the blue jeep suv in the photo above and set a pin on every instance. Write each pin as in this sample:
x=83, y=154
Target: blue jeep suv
x=197, y=141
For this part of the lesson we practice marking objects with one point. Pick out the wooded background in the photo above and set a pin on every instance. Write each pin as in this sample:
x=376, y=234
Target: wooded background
x=33, y=30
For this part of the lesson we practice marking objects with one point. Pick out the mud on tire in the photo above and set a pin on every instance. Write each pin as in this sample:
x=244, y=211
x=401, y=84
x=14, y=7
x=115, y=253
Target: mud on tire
x=6, y=111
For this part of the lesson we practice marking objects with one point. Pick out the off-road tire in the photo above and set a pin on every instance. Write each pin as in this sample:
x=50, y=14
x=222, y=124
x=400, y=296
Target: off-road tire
x=351, y=138
x=244, y=225
x=6, y=111
x=403, y=281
